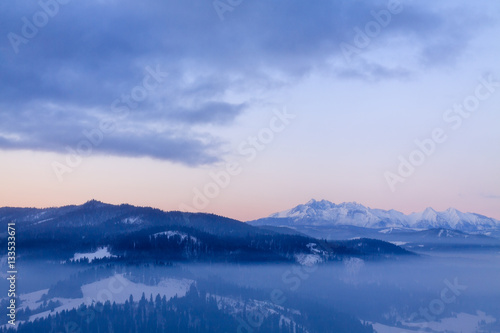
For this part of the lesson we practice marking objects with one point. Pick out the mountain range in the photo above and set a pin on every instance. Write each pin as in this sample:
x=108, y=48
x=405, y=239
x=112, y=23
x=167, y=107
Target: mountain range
x=326, y=213
x=130, y=233
x=74, y=254
x=127, y=233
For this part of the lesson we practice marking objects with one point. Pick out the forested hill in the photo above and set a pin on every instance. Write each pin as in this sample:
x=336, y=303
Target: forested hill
x=196, y=312
x=131, y=233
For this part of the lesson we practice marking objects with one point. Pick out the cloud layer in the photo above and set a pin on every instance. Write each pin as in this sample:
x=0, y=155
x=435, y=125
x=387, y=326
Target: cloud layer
x=91, y=59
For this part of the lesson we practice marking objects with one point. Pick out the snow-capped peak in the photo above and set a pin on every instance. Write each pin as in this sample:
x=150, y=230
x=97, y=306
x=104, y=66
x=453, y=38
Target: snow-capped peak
x=429, y=213
x=324, y=212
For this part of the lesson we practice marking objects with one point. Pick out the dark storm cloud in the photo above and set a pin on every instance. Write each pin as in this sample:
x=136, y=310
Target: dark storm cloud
x=91, y=53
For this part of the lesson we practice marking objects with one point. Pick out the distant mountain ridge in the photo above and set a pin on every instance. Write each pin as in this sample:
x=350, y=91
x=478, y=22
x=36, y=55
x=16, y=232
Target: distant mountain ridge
x=326, y=213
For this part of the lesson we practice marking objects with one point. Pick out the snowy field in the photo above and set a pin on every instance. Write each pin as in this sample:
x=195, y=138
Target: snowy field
x=115, y=289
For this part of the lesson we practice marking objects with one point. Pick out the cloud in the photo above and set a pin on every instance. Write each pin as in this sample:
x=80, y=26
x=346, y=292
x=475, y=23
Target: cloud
x=211, y=112
x=490, y=196
x=65, y=79
x=47, y=128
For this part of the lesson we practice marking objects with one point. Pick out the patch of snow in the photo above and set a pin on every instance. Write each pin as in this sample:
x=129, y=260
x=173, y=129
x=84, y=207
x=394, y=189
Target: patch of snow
x=380, y=328
x=285, y=320
x=32, y=300
x=308, y=259
x=118, y=289
x=132, y=220
x=462, y=322
x=42, y=221
x=398, y=243
x=171, y=234
x=313, y=249
x=37, y=215
x=102, y=252
x=237, y=307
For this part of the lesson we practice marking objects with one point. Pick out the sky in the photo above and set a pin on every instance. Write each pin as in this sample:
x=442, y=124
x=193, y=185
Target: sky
x=245, y=108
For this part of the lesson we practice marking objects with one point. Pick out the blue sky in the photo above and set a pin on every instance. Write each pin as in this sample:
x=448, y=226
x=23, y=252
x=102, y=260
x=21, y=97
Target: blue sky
x=144, y=103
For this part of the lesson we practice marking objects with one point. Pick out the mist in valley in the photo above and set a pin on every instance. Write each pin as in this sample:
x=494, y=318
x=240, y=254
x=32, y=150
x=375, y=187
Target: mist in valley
x=435, y=293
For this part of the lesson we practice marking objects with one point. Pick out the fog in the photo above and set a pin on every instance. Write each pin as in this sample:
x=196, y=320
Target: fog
x=389, y=292
x=441, y=291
